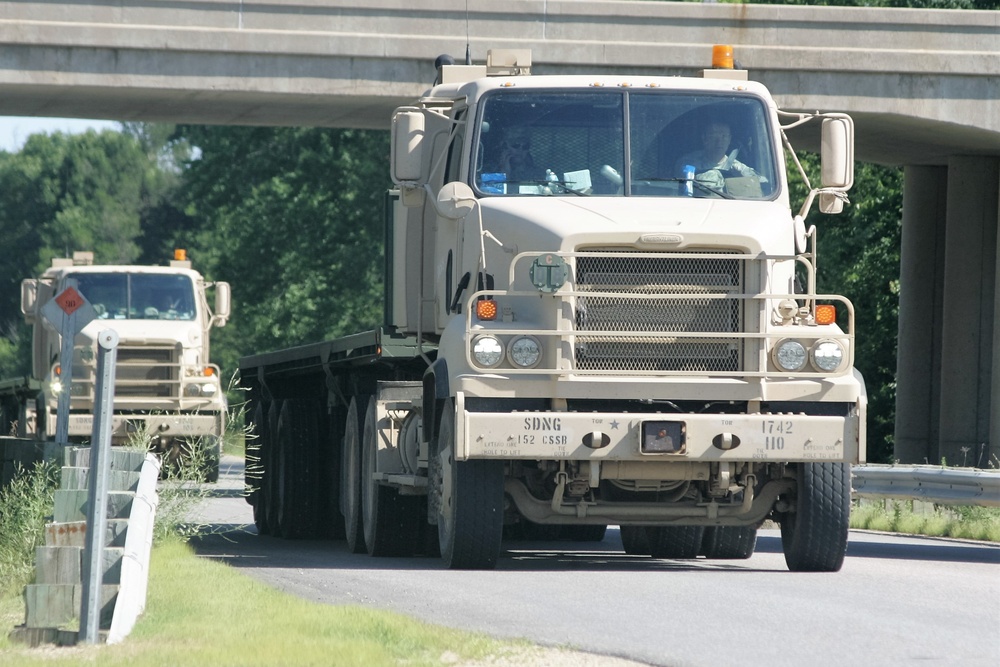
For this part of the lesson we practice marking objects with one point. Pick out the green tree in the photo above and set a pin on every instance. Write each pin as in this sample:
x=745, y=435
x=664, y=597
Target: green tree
x=292, y=218
x=62, y=193
x=165, y=225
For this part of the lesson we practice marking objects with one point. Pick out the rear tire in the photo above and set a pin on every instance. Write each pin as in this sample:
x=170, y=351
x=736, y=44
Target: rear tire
x=297, y=432
x=212, y=457
x=469, y=501
x=351, y=482
x=269, y=489
x=634, y=540
x=674, y=542
x=389, y=519
x=729, y=542
x=255, y=470
x=814, y=536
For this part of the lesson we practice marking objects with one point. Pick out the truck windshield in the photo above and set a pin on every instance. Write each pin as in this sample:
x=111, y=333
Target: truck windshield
x=138, y=296
x=675, y=144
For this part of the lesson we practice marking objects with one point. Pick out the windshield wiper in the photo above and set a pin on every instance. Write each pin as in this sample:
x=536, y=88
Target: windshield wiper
x=697, y=183
x=564, y=185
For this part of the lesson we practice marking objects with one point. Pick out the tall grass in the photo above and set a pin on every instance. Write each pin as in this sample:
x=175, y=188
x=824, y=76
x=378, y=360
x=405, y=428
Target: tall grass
x=24, y=505
x=898, y=516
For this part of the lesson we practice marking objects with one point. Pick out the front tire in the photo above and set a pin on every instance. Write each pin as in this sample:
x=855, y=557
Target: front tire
x=814, y=536
x=469, y=503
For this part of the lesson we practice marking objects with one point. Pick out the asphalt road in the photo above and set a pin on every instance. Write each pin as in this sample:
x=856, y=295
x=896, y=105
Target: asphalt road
x=897, y=600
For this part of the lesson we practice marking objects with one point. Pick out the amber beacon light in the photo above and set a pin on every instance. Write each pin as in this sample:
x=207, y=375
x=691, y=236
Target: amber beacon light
x=722, y=56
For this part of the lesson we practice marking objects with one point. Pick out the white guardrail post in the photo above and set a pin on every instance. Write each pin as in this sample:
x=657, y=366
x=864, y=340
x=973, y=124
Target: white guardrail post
x=932, y=484
x=135, y=561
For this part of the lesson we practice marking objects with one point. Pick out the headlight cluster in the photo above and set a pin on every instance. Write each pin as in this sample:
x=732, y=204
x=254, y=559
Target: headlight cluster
x=824, y=356
x=489, y=351
x=200, y=389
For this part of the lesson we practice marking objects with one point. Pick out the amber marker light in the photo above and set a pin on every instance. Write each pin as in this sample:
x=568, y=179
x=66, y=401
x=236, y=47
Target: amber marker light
x=826, y=314
x=722, y=56
x=180, y=254
x=486, y=310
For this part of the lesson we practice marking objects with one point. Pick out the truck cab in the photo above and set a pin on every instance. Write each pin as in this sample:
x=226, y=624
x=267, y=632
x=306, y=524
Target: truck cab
x=624, y=303
x=600, y=310
x=165, y=384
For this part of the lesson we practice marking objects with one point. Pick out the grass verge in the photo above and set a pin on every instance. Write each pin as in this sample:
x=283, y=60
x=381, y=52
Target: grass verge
x=897, y=516
x=201, y=613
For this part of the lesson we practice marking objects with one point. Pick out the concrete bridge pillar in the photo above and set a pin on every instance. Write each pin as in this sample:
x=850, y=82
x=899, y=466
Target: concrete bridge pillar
x=947, y=382
x=918, y=347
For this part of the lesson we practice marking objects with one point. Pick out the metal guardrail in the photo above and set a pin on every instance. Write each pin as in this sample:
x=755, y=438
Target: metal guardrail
x=932, y=484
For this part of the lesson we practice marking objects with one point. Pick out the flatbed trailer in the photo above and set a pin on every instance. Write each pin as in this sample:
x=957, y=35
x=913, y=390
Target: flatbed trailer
x=304, y=402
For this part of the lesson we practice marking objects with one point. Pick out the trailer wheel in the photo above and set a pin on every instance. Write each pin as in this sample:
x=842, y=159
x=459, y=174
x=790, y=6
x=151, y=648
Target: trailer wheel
x=350, y=483
x=254, y=471
x=212, y=457
x=814, y=535
x=469, y=501
x=674, y=541
x=729, y=542
x=269, y=460
x=634, y=540
x=296, y=437
x=390, y=520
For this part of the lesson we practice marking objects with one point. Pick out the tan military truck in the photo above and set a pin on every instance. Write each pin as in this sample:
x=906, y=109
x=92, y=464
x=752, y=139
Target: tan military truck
x=165, y=384
x=600, y=310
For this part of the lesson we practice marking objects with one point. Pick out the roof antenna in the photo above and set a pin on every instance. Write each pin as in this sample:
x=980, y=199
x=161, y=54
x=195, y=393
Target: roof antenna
x=468, y=48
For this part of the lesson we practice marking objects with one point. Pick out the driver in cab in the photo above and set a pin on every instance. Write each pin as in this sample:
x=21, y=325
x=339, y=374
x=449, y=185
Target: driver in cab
x=714, y=161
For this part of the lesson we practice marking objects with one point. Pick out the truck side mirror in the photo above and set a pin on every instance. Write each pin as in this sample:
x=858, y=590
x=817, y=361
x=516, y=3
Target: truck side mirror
x=223, y=302
x=837, y=152
x=407, y=146
x=29, y=299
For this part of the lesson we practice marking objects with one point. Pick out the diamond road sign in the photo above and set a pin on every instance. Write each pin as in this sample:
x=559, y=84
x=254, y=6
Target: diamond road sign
x=70, y=300
x=69, y=312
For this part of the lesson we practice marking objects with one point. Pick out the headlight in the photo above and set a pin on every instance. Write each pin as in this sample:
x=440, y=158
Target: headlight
x=487, y=351
x=789, y=355
x=827, y=355
x=199, y=389
x=524, y=351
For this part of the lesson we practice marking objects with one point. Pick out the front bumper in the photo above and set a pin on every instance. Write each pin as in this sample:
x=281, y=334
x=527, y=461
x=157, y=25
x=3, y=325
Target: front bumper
x=620, y=436
x=205, y=424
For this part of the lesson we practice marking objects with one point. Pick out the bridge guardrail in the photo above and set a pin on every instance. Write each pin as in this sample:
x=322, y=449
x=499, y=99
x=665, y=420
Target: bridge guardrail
x=933, y=484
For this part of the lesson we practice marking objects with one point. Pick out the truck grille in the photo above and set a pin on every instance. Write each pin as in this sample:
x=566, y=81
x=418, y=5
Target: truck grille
x=623, y=302
x=143, y=371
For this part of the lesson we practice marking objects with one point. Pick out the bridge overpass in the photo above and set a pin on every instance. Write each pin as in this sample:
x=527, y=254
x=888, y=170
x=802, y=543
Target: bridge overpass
x=922, y=85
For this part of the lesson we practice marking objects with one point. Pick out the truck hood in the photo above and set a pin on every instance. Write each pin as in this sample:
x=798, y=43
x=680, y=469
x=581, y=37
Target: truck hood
x=187, y=333
x=565, y=223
